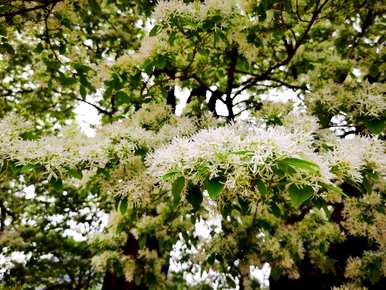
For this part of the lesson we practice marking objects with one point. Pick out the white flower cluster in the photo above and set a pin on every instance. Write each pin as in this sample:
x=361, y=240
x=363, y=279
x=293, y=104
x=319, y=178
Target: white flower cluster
x=11, y=126
x=150, y=45
x=226, y=146
x=71, y=148
x=149, y=127
x=368, y=100
x=165, y=8
x=301, y=120
x=371, y=100
x=58, y=152
x=200, y=11
x=353, y=155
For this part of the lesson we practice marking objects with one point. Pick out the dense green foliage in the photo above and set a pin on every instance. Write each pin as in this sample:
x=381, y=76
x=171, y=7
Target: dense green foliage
x=297, y=184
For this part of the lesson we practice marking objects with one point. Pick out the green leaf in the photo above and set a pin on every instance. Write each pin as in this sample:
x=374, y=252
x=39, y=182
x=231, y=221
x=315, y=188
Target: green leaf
x=103, y=172
x=3, y=30
x=52, y=65
x=120, y=227
x=170, y=175
x=299, y=195
x=142, y=241
x=243, y=152
x=253, y=38
x=123, y=205
x=335, y=189
x=211, y=22
x=275, y=210
x=117, y=266
x=374, y=70
x=74, y=172
x=38, y=48
x=296, y=163
x=155, y=30
x=66, y=81
x=177, y=187
x=141, y=151
x=172, y=37
x=376, y=126
x=6, y=48
x=28, y=168
x=320, y=203
x=243, y=205
x=161, y=61
x=57, y=184
x=214, y=187
x=148, y=66
x=62, y=48
x=211, y=259
x=82, y=91
x=217, y=36
x=81, y=68
x=374, y=273
x=194, y=196
x=261, y=187
x=83, y=80
x=95, y=8
x=122, y=98
x=275, y=273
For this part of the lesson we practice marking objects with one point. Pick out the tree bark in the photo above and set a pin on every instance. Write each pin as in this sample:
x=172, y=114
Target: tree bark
x=112, y=281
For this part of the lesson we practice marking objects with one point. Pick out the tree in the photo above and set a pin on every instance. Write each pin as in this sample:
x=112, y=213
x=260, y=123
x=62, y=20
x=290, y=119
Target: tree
x=296, y=184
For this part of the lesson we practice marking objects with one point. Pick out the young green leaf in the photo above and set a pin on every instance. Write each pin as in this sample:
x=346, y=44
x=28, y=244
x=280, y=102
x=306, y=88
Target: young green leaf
x=214, y=187
x=373, y=271
x=155, y=30
x=376, y=126
x=57, y=184
x=123, y=205
x=261, y=187
x=6, y=48
x=296, y=163
x=95, y=8
x=74, y=172
x=334, y=189
x=177, y=187
x=28, y=168
x=169, y=175
x=194, y=196
x=299, y=195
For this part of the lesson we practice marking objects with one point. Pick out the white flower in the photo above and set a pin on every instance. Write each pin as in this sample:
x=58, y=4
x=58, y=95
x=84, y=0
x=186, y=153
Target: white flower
x=165, y=8
x=356, y=153
x=228, y=147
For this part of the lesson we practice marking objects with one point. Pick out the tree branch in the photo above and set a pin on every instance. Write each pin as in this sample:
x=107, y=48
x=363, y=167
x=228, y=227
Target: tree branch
x=265, y=75
x=99, y=109
x=25, y=10
x=230, y=80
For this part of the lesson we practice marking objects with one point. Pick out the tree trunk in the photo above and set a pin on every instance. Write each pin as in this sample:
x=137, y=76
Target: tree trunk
x=112, y=281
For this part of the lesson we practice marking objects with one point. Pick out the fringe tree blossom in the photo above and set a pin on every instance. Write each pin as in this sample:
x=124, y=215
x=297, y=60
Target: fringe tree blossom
x=279, y=188
x=227, y=146
x=245, y=165
x=72, y=148
x=351, y=156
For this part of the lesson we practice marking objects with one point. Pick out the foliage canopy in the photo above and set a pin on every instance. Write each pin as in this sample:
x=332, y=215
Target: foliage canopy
x=238, y=178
